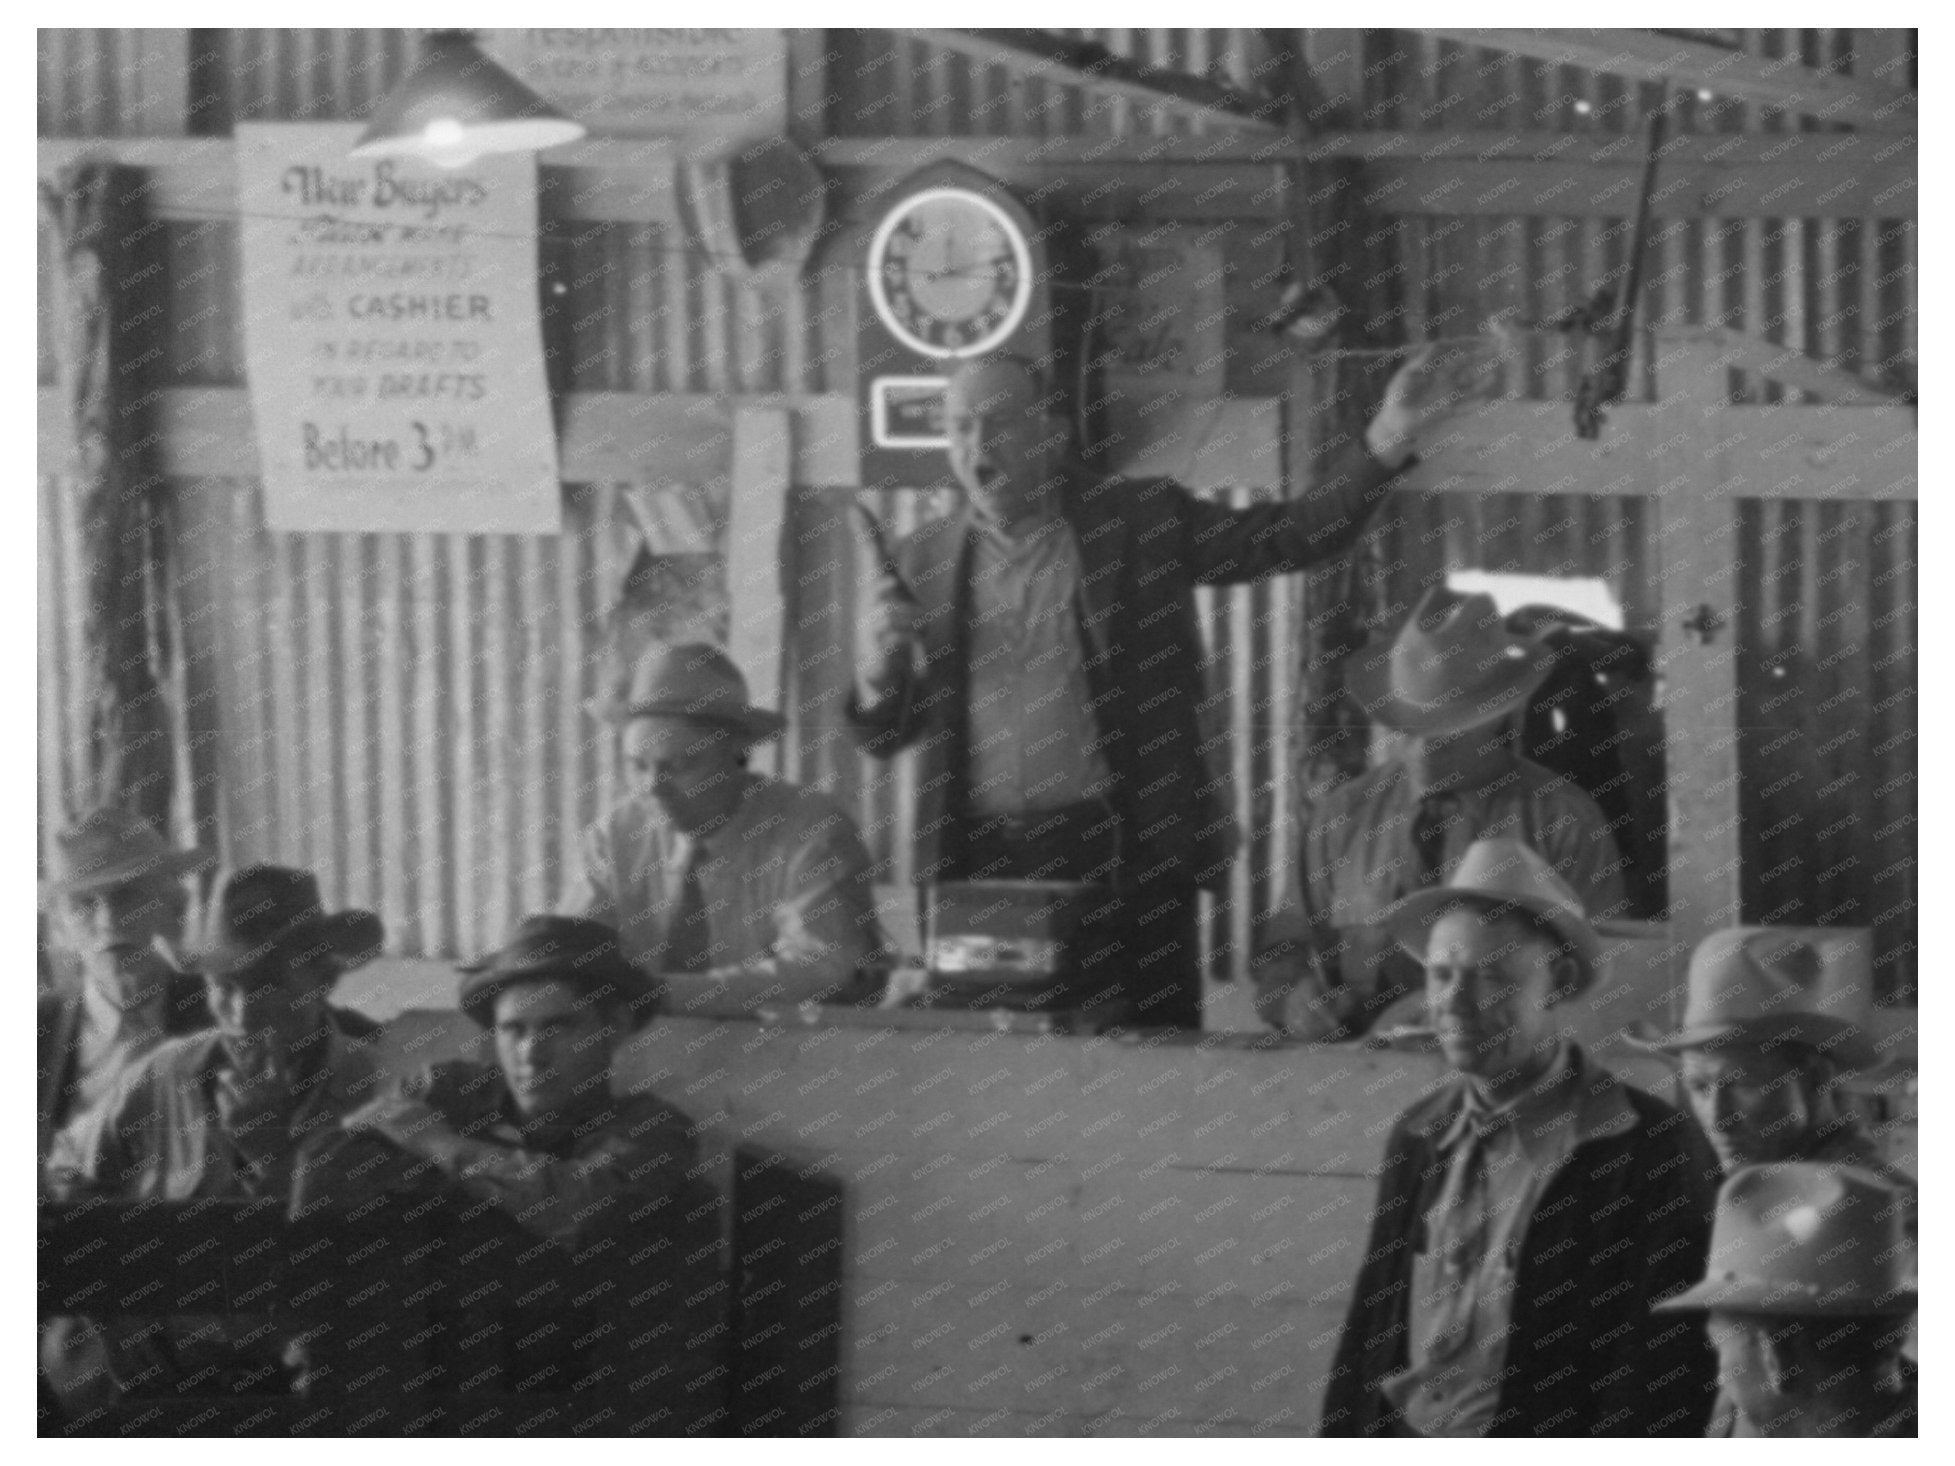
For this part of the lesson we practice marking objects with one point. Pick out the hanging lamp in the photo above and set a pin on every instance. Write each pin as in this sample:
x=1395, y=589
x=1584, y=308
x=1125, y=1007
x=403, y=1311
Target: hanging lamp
x=456, y=105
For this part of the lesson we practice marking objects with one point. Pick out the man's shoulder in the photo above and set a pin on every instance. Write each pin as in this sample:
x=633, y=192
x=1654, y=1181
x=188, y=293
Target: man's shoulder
x=1546, y=789
x=1094, y=498
x=795, y=807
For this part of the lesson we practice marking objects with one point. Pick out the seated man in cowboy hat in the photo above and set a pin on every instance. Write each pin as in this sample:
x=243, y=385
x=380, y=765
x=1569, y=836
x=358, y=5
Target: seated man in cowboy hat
x=1807, y=1301
x=1771, y=1030
x=544, y=1139
x=736, y=890
x=250, y=1108
x=1450, y=688
x=1532, y=1208
x=119, y=902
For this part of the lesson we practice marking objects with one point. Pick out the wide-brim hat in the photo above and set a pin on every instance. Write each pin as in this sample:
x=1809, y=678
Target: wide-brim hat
x=1454, y=665
x=569, y=949
x=1761, y=987
x=691, y=680
x=1804, y=1239
x=111, y=847
x=264, y=909
x=1501, y=873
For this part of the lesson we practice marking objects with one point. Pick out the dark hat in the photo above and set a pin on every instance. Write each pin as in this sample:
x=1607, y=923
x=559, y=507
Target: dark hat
x=267, y=908
x=1454, y=665
x=1804, y=1240
x=110, y=847
x=571, y=949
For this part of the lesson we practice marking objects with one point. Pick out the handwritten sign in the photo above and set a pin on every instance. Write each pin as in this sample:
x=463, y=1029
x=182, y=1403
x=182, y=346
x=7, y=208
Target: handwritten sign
x=393, y=338
x=716, y=89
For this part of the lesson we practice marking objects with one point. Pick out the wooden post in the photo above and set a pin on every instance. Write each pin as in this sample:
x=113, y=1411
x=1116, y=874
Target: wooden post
x=755, y=572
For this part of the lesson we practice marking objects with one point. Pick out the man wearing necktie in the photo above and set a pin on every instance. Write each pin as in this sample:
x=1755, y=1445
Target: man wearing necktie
x=1449, y=689
x=1530, y=1210
x=738, y=891
x=1038, y=652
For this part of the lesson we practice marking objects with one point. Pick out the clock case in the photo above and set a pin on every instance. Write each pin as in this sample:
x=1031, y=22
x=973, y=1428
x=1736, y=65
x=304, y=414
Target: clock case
x=1048, y=333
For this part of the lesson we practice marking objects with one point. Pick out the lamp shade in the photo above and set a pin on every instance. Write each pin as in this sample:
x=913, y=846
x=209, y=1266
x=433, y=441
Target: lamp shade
x=457, y=105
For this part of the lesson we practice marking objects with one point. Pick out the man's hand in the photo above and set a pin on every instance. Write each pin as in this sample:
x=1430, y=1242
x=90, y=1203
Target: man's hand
x=1435, y=383
x=890, y=637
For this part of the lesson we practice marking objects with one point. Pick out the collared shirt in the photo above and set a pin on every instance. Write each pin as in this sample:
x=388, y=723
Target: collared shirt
x=786, y=882
x=627, y=1160
x=1033, y=742
x=1360, y=855
x=1500, y=1160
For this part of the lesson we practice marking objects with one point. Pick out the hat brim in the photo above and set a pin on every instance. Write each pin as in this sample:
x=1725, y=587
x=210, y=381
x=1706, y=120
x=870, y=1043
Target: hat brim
x=177, y=864
x=1758, y=1295
x=1408, y=921
x=1507, y=691
x=1845, y=1044
x=351, y=938
x=755, y=724
x=483, y=982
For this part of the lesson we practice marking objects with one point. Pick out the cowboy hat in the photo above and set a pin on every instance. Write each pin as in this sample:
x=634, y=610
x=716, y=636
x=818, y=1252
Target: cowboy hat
x=111, y=847
x=1803, y=1239
x=1454, y=665
x=1760, y=986
x=264, y=909
x=569, y=949
x=691, y=680
x=1504, y=873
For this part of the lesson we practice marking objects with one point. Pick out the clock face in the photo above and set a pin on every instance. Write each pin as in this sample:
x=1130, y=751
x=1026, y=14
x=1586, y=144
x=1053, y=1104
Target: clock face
x=950, y=273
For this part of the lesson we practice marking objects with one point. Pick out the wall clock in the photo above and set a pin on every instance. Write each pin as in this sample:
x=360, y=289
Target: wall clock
x=950, y=271
x=951, y=265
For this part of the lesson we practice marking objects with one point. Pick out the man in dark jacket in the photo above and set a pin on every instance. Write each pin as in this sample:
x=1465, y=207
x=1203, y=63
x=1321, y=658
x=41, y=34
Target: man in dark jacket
x=1532, y=1209
x=1040, y=652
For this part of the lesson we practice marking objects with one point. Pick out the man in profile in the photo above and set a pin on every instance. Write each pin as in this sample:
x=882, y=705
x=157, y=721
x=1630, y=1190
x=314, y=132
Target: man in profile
x=1530, y=1210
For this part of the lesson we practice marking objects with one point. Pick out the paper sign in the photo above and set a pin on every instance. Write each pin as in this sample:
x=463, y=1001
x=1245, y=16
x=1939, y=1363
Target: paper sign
x=393, y=338
x=1164, y=349
x=715, y=89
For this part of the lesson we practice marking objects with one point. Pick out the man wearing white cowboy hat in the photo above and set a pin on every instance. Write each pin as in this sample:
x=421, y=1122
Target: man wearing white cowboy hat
x=1771, y=1031
x=1807, y=1301
x=735, y=890
x=119, y=900
x=1533, y=1199
x=250, y=1108
x=1450, y=688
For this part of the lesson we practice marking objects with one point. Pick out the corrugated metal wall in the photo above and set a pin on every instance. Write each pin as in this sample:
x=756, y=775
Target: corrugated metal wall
x=425, y=740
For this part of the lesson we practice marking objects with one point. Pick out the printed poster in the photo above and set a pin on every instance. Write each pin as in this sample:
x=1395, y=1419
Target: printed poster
x=393, y=338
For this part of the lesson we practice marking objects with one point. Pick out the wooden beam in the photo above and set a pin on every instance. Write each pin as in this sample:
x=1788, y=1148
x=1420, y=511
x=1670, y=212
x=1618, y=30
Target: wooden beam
x=1773, y=452
x=1045, y=58
x=1727, y=348
x=608, y=437
x=1649, y=56
x=756, y=542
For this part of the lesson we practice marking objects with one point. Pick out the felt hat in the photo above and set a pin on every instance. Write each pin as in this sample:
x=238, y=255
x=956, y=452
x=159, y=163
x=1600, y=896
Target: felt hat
x=264, y=909
x=112, y=846
x=691, y=680
x=1454, y=665
x=1761, y=986
x=569, y=949
x=1804, y=1239
x=1500, y=873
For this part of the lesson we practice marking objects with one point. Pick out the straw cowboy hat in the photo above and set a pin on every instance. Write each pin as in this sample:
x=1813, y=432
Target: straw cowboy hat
x=1806, y=1240
x=691, y=680
x=1501, y=873
x=264, y=909
x=1760, y=986
x=571, y=949
x=111, y=847
x=1453, y=665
